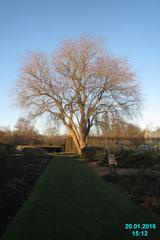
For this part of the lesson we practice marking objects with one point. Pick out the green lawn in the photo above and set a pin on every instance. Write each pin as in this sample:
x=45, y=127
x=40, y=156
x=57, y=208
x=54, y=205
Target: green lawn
x=70, y=202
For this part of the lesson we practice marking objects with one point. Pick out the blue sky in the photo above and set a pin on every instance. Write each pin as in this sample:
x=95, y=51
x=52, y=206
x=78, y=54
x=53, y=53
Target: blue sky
x=131, y=29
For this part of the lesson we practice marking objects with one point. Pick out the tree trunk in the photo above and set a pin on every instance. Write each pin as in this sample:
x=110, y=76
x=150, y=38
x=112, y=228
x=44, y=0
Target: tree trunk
x=80, y=140
x=79, y=144
x=76, y=144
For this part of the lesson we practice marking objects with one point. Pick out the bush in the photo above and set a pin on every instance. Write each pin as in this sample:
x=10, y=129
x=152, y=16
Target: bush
x=94, y=153
x=30, y=152
x=142, y=159
x=3, y=152
x=144, y=188
x=122, y=157
x=130, y=158
x=9, y=147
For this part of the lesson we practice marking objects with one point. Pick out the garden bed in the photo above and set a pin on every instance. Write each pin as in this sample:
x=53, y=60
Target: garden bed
x=143, y=188
x=18, y=174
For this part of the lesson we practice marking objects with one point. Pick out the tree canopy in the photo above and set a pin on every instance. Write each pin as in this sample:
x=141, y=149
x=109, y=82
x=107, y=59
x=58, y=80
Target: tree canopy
x=80, y=85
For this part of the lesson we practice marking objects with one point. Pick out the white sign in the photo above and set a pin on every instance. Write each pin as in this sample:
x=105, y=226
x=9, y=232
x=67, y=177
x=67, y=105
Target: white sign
x=112, y=159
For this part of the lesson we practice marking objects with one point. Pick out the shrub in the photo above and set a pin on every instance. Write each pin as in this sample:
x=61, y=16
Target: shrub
x=9, y=147
x=3, y=152
x=88, y=153
x=130, y=158
x=122, y=157
x=144, y=188
x=94, y=153
x=30, y=152
x=142, y=159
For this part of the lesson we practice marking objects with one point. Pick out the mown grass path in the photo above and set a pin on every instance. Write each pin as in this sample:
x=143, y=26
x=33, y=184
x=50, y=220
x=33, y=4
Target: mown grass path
x=70, y=202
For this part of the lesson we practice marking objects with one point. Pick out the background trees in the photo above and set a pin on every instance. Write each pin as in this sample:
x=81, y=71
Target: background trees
x=5, y=135
x=121, y=129
x=25, y=133
x=80, y=85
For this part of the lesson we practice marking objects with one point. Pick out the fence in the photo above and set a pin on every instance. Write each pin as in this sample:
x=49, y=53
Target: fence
x=113, y=144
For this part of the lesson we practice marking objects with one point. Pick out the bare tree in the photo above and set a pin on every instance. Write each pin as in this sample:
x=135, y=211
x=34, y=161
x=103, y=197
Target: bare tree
x=23, y=125
x=24, y=132
x=121, y=129
x=5, y=135
x=51, y=131
x=80, y=85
